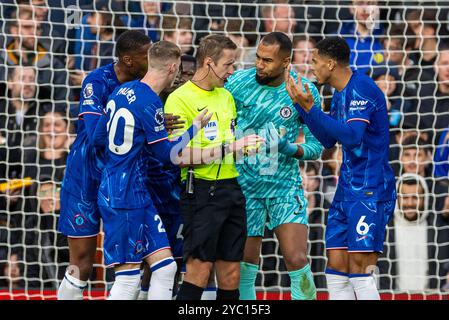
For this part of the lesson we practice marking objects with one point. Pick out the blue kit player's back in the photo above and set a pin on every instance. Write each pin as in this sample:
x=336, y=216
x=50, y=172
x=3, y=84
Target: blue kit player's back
x=79, y=211
x=132, y=227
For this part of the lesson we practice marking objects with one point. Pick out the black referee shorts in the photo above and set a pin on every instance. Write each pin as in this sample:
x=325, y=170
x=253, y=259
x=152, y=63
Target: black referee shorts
x=214, y=224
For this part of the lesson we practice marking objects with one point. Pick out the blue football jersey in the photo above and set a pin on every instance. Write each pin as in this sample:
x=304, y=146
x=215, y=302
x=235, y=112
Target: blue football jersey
x=365, y=171
x=164, y=181
x=84, y=163
x=136, y=120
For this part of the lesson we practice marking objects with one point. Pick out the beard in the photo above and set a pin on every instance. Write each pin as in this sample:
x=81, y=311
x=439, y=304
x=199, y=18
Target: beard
x=266, y=80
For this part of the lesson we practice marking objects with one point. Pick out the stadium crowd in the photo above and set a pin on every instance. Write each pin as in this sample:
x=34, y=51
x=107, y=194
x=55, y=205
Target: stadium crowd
x=404, y=48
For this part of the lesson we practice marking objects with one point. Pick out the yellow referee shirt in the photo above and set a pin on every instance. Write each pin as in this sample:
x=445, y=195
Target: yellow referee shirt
x=187, y=102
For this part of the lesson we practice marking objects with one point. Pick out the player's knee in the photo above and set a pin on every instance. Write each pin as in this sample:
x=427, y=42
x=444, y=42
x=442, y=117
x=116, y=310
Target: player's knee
x=229, y=279
x=296, y=260
x=165, y=272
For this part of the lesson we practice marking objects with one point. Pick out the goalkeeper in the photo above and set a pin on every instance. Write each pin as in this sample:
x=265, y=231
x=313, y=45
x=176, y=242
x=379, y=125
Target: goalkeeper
x=271, y=181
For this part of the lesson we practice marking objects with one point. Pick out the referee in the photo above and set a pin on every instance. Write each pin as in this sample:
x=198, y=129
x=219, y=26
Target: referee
x=212, y=203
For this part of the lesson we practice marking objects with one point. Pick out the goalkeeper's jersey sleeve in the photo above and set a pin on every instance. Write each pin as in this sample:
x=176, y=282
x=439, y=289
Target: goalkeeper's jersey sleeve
x=269, y=175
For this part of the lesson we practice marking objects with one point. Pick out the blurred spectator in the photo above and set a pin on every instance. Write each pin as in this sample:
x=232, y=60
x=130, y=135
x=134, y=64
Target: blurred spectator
x=11, y=272
x=418, y=84
x=416, y=244
x=19, y=116
x=432, y=114
x=302, y=55
x=48, y=249
x=211, y=15
x=332, y=159
x=278, y=17
x=363, y=36
x=317, y=216
x=441, y=158
x=424, y=25
x=387, y=79
x=53, y=144
x=178, y=31
x=240, y=32
x=105, y=26
x=24, y=48
x=186, y=71
x=415, y=158
x=50, y=37
x=148, y=19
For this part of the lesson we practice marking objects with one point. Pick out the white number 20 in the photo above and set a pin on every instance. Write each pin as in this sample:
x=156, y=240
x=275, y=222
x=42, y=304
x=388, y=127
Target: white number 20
x=362, y=227
x=128, y=134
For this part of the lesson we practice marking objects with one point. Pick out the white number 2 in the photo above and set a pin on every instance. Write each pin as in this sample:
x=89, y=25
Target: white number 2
x=160, y=226
x=128, y=134
x=362, y=227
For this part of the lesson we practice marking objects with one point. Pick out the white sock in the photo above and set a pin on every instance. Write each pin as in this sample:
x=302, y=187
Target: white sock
x=210, y=293
x=339, y=286
x=125, y=285
x=162, y=279
x=143, y=293
x=364, y=286
x=71, y=288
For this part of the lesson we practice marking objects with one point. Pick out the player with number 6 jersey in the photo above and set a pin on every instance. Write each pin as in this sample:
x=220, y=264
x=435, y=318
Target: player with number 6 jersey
x=365, y=197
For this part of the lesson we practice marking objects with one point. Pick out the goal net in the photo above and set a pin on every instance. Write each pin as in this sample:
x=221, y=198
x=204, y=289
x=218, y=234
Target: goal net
x=48, y=47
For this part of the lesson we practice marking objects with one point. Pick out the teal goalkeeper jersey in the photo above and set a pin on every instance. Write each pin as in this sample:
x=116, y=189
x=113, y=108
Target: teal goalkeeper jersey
x=268, y=175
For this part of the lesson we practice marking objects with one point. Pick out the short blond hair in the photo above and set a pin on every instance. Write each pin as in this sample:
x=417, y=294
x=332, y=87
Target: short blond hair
x=161, y=53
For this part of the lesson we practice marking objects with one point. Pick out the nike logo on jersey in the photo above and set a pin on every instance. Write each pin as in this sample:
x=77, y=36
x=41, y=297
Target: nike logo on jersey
x=201, y=109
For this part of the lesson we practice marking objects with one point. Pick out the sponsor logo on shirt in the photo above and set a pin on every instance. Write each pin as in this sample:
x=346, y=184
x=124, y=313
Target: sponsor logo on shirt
x=357, y=105
x=88, y=91
x=88, y=102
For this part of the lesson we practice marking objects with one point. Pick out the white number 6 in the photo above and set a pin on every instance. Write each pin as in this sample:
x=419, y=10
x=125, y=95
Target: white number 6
x=362, y=227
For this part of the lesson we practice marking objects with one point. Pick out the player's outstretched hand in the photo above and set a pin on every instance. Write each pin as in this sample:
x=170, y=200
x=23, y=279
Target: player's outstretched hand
x=202, y=119
x=253, y=140
x=172, y=122
x=296, y=93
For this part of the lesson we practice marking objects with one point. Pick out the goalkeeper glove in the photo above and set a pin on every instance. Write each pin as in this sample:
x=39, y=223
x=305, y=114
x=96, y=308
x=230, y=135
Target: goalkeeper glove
x=279, y=141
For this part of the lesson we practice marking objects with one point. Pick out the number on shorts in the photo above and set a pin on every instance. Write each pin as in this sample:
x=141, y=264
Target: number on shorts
x=128, y=132
x=362, y=227
x=179, y=233
x=160, y=226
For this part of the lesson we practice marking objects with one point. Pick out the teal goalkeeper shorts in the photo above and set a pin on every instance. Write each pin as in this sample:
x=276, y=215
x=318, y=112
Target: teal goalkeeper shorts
x=278, y=210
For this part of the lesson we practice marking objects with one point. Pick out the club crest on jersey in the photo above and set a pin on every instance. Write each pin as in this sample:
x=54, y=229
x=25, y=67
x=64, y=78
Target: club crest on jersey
x=210, y=130
x=285, y=112
x=159, y=118
x=88, y=91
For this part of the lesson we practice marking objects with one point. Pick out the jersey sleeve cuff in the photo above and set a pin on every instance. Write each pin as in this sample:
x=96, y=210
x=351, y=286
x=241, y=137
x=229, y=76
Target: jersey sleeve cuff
x=358, y=119
x=158, y=140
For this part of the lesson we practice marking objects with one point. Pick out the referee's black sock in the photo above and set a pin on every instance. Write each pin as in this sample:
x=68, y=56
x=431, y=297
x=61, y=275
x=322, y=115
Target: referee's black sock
x=228, y=294
x=189, y=291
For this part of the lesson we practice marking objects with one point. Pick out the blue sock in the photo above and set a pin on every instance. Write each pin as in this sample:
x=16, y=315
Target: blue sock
x=302, y=285
x=248, y=274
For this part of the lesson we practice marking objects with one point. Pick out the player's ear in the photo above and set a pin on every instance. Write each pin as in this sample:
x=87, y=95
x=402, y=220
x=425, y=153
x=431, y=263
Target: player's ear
x=331, y=63
x=286, y=62
x=127, y=60
x=208, y=61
